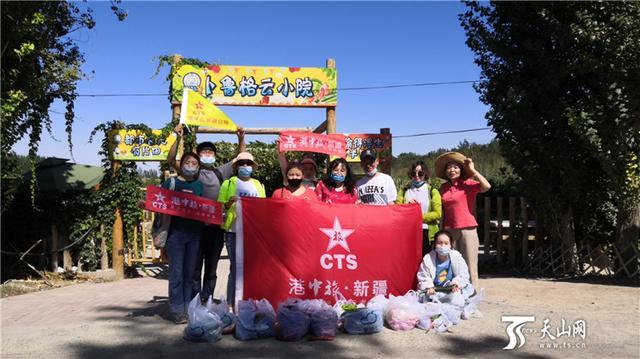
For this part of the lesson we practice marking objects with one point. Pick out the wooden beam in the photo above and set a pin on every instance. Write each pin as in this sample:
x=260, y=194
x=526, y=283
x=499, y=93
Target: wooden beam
x=331, y=111
x=385, y=166
x=256, y=131
x=499, y=242
x=525, y=230
x=321, y=128
x=117, y=254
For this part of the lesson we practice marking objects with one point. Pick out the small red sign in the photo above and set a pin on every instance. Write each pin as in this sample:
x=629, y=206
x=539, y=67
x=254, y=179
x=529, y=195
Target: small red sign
x=312, y=142
x=183, y=205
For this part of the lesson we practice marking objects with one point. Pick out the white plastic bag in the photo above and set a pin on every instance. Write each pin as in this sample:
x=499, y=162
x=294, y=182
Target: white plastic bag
x=471, y=307
x=403, y=312
x=379, y=302
x=292, y=320
x=324, y=320
x=256, y=319
x=222, y=309
x=203, y=326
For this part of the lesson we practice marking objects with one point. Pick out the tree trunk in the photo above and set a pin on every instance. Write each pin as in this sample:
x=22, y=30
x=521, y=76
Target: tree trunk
x=627, y=235
x=568, y=242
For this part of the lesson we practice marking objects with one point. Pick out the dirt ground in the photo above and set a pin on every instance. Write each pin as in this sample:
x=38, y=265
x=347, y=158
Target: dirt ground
x=127, y=319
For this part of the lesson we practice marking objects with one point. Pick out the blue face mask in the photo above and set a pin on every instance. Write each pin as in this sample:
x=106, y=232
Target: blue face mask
x=207, y=160
x=337, y=178
x=245, y=171
x=443, y=250
x=373, y=172
x=189, y=171
x=416, y=184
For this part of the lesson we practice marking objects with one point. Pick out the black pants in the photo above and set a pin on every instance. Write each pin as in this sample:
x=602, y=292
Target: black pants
x=211, y=243
x=426, y=248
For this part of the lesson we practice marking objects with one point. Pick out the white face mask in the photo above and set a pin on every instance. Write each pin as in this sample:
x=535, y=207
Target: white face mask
x=443, y=250
x=207, y=160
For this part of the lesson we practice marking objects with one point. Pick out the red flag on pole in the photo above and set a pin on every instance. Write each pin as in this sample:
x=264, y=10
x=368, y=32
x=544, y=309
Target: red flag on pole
x=311, y=250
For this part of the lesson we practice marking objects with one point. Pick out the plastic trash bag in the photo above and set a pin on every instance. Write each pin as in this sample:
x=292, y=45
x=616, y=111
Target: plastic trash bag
x=292, y=320
x=454, y=298
x=403, y=312
x=362, y=321
x=323, y=320
x=424, y=323
x=203, y=326
x=222, y=309
x=379, y=302
x=343, y=304
x=256, y=319
x=452, y=312
x=472, y=304
x=441, y=324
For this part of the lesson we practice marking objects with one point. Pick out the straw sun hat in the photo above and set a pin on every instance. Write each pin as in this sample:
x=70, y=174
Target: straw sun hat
x=245, y=156
x=448, y=157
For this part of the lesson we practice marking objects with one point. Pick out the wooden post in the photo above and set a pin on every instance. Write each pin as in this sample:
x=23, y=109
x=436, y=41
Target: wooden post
x=153, y=247
x=175, y=113
x=67, y=260
x=104, y=258
x=525, y=230
x=117, y=254
x=135, y=242
x=486, y=224
x=499, y=230
x=54, y=245
x=512, y=221
x=385, y=166
x=331, y=111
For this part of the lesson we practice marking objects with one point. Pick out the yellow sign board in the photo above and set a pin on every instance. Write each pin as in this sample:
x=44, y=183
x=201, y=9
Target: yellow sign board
x=259, y=86
x=133, y=145
x=197, y=111
x=379, y=143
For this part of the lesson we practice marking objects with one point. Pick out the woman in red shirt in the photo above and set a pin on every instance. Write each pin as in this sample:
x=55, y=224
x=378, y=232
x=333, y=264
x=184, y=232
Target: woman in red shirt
x=458, y=200
x=294, y=188
x=338, y=186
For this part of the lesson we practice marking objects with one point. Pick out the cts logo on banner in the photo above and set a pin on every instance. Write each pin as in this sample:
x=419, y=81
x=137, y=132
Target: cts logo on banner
x=514, y=330
x=338, y=237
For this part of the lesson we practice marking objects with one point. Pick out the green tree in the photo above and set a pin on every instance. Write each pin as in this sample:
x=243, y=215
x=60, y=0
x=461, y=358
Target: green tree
x=41, y=63
x=562, y=83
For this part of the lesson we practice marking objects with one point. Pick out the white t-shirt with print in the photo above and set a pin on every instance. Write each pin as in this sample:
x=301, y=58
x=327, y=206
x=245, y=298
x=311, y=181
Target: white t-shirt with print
x=244, y=189
x=377, y=190
x=421, y=195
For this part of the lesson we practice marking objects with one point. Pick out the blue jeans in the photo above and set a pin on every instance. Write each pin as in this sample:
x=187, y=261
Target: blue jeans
x=230, y=242
x=182, y=249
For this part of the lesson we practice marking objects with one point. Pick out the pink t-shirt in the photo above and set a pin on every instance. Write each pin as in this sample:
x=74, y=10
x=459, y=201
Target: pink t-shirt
x=458, y=202
x=333, y=196
x=286, y=194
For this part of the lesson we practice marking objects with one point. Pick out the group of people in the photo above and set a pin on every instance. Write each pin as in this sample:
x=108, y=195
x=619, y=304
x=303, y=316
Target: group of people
x=193, y=246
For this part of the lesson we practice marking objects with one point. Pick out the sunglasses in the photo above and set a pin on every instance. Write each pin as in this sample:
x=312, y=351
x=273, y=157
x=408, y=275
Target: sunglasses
x=418, y=173
x=244, y=163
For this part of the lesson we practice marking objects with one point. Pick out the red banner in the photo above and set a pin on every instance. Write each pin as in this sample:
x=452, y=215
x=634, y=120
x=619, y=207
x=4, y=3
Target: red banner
x=312, y=142
x=183, y=205
x=308, y=250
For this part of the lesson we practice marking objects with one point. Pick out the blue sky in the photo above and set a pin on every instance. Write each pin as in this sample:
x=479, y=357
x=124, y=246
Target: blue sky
x=373, y=43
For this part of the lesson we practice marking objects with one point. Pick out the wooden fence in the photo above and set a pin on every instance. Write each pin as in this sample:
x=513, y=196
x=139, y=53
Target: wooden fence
x=141, y=249
x=510, y=236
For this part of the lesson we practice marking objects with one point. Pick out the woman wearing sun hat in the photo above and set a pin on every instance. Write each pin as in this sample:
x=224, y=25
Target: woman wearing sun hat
x=240, y=185
x=458, y=195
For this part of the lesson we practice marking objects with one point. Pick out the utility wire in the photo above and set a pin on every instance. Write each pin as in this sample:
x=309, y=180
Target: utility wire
x=380, y=87
x=442, y=133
